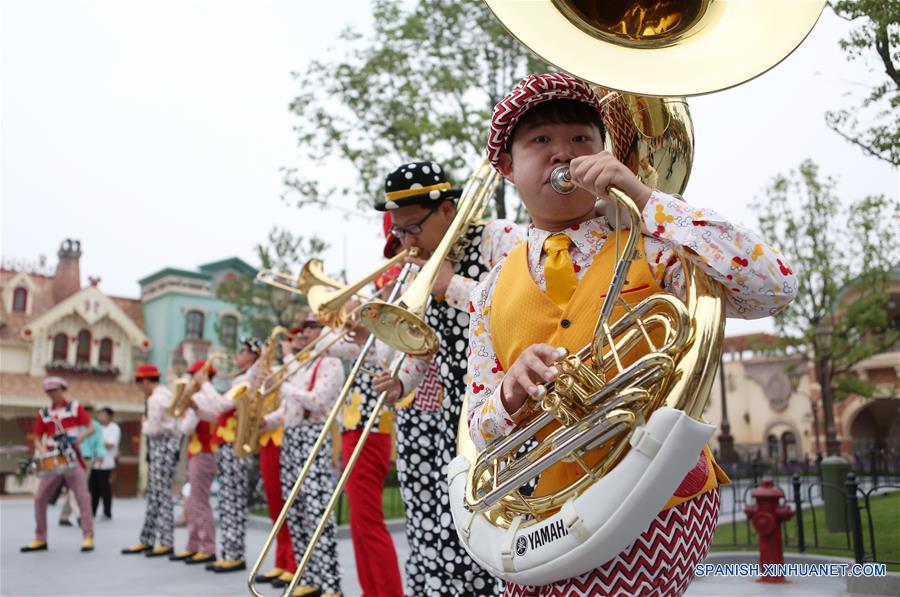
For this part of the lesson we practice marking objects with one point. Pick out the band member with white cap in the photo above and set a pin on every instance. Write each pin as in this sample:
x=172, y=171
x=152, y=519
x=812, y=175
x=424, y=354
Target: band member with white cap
x=62, y=426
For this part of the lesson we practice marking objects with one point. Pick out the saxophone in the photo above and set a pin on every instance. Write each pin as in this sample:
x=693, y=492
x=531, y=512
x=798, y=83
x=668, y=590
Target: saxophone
x=185, y=388
x=253, y=401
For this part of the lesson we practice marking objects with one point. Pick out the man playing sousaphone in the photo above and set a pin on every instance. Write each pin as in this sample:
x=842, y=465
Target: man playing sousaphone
x=546, y=296
x=59, y=429
x=421, y=199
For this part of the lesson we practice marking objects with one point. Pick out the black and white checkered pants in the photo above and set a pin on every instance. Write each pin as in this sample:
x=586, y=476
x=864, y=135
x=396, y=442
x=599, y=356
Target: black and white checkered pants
x=323, y=570
x=159, y=518
x=233, y=482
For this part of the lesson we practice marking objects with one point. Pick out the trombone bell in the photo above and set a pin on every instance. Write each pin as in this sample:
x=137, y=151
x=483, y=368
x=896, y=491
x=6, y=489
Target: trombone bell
x=399, y=327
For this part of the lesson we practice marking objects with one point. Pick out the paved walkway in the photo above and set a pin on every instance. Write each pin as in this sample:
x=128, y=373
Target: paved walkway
x=64, y=571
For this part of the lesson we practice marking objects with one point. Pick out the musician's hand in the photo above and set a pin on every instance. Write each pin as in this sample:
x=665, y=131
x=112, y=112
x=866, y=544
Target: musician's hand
x=445, y=274
x=192, y=404
x=391, y=385
x=360, y=334
x=286, y=348
x=596, y=173
x=201, y=377
x=532, y=368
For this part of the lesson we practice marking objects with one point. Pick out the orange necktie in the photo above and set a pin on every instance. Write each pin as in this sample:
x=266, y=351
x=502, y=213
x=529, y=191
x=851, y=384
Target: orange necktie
x=558, y=269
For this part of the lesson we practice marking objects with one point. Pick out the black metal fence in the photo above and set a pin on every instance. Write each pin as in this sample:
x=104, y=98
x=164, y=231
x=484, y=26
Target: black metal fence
x=873, y=473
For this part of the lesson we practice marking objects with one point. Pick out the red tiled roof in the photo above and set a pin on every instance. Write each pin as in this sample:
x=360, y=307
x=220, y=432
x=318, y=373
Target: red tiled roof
x=86, y=391
x=132, y=308
x=42, y=301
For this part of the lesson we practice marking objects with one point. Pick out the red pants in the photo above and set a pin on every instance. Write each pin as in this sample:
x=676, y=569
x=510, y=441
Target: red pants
x=270, y=469
x=376, y=559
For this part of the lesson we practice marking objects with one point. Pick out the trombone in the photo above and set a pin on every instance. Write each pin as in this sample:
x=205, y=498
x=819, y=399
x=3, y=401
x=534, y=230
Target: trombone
x=326, y=296
x=402, y=326
x=310, y=275
x=314, y=453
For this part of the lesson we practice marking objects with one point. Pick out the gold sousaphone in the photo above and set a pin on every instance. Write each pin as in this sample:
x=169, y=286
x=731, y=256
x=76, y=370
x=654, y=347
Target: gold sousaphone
x=656, y=357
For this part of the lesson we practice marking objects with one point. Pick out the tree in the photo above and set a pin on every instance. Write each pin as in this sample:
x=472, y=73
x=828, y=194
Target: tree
x=845, y=259
x=422, y=84
x=261, y=306
x=878, y=32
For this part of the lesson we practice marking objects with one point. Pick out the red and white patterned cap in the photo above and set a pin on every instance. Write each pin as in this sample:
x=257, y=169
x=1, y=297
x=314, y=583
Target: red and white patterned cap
x=531, y=91
x=54, y=383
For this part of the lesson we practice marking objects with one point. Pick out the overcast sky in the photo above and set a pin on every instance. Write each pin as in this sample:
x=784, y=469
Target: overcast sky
x=154, y=132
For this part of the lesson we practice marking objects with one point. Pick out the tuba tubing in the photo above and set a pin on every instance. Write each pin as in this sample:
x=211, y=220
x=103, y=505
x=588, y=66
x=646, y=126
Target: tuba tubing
x=598, y=524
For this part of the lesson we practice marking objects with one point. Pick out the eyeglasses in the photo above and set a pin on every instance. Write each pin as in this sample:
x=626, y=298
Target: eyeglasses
x=401, y=231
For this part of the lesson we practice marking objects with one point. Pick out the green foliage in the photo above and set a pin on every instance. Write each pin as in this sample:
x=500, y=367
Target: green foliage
x=421, y=85
x=261, y=306
x=845, y=259
x=875, y=126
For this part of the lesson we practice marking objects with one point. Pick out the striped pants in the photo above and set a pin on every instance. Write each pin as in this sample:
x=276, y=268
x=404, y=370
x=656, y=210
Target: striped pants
x=201, y=523
x=323, y=570
x=233, y=482
x=659, y=563
x=159, y=519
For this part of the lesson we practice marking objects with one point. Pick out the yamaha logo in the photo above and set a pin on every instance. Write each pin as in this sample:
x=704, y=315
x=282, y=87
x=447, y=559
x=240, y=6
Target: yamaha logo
x=546, y=534
x=521, y=546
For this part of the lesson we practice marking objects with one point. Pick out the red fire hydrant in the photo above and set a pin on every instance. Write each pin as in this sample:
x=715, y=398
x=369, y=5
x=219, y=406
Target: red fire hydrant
x=766, y=515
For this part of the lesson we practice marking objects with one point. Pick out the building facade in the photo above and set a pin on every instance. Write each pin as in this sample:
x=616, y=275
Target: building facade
x=51, y=325
x=184, y=318
x=774, y=407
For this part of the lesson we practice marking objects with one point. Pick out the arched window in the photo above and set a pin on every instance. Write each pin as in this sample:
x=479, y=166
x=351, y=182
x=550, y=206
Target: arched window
x=60, y=347
x=229, y=331
x=106, y=352
x=83, y=352
x=20, y=299
x=773, y=448
x=194, y=327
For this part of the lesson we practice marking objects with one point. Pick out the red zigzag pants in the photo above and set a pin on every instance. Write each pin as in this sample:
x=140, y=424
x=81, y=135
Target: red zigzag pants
x=660, y=562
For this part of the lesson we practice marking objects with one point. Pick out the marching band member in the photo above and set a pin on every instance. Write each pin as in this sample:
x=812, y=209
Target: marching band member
x=270, y=442
x=306, y=398
x=555, y=279
x=163, y=446
x=199, y=426
x=68, y=418
x=377, y=566
x=421, y=202
x=233, y=475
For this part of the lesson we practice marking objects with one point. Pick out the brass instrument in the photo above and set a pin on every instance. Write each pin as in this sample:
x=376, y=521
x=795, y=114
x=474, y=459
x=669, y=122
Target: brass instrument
x=662, y=352
x=326, y=296
x=311, y=274
x=377, y=316
x=328, y=304
x=251, y=403
x=402, y=325
x=185, y=388
x=314, y=453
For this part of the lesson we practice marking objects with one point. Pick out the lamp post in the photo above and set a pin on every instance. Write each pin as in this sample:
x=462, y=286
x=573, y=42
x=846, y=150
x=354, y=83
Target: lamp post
x=726, y=440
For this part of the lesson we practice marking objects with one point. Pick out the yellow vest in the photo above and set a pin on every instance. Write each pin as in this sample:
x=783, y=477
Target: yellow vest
x=522, y=314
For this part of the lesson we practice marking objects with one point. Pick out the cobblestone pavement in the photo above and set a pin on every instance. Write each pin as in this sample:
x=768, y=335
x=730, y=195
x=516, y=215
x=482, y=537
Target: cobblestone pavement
x=63, y=570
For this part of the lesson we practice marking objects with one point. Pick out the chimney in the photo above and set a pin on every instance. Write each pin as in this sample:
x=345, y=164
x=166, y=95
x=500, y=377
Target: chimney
x=68, y=272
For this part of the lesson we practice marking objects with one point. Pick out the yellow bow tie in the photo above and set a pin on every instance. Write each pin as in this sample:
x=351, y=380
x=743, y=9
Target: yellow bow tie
x=558, y=269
